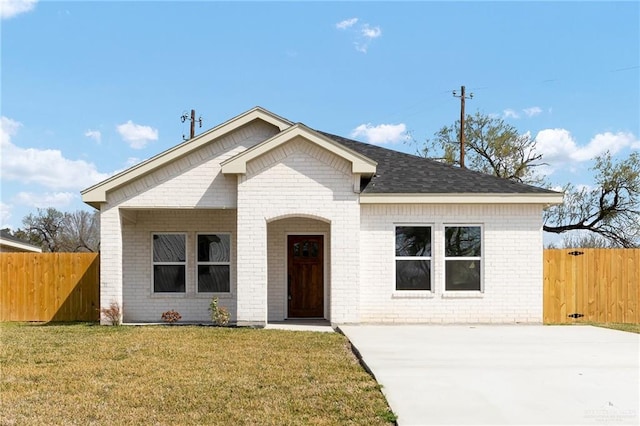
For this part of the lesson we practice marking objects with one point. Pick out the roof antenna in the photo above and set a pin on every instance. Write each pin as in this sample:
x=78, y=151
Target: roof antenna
x=193, y=120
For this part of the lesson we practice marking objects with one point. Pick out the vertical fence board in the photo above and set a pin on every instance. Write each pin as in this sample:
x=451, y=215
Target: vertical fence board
x=49, y=286
x=601, y=284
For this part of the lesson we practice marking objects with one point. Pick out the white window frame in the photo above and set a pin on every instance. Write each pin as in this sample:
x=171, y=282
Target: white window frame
x=404, y=292
x=447, y=258
x=199, y=263
x=184, y=263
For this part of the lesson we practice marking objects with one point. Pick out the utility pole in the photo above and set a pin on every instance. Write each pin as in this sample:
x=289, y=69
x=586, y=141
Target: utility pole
x=462, y=97
x=193, y=120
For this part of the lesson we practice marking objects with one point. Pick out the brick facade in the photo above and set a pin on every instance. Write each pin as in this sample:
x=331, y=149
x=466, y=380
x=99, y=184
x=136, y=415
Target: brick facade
x=300, y=187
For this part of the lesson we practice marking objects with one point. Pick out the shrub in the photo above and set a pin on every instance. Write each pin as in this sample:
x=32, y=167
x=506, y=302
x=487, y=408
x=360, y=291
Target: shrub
x=112, y=314
x=171, y=316
x=219, y=314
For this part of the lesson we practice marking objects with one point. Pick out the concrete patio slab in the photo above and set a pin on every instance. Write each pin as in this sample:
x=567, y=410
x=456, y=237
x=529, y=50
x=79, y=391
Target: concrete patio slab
x=497, y=375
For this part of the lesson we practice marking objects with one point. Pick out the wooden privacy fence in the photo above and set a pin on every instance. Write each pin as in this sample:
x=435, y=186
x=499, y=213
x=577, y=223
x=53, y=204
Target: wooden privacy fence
x=584, y=285
x=49, y=286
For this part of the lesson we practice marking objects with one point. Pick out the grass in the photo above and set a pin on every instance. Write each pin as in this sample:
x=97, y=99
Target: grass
x=87, y=374
x=631, y=328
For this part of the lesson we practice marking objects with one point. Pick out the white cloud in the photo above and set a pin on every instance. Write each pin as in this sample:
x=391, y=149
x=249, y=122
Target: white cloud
x=11, y=8
x=382, y=133
x=48, y=199
x=364, y=33
x=529, y=112
x=347, y=23
x=132, y=161
x=509, y=113
x=47, y=167
x=532, y=111
x=136, y=135
x=5, y=214
x=559, y=146
x=94, y=134
x=369, y=32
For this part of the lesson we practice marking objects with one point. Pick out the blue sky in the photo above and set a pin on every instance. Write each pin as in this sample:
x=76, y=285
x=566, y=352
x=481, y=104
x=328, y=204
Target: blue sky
x=90, y=88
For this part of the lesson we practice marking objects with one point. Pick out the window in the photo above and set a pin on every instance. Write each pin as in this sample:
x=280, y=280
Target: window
x=169, y=263
x=463, y=251
x=214, y=263
x=413, y=258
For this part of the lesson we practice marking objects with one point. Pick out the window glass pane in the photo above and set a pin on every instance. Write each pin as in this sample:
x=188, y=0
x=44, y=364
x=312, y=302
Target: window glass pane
x=168, y=248
x=462, y=275
x=413, y=275
x=214, y=248
x=462, y=241
x=413, y=241
x=314, y=249
x=213, y=278
x=168, y=278
x=296, y=249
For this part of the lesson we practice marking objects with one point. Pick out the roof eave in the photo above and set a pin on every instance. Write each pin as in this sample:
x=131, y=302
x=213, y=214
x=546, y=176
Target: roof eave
x=96, y=194
x=463, y=198
x=20, y=246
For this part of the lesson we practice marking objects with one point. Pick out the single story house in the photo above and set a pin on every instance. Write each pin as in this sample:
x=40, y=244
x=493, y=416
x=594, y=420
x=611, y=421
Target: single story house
x=280, y=221
x=11, y=244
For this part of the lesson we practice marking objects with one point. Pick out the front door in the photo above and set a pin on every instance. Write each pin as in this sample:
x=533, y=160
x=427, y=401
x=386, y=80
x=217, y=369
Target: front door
x=305, y=276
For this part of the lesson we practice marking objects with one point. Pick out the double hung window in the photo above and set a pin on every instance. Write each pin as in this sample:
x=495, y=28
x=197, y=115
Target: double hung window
x=413, y=258
x=463, y=258
x=214, y=263
x=169, y=263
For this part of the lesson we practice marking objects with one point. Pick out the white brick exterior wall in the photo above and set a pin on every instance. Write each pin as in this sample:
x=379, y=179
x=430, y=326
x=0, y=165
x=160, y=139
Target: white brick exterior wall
x=297, y=179
x=299, y=187
x=511, y=262
x=191, y=182
x=140, y=304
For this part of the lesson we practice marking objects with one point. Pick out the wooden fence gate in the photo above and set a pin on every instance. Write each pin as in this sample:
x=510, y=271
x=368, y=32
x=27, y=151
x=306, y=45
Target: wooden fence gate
x=591, y=285
x=49, y=286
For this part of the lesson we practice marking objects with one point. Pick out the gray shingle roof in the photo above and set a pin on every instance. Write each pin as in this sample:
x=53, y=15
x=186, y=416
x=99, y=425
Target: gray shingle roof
x=400, y=173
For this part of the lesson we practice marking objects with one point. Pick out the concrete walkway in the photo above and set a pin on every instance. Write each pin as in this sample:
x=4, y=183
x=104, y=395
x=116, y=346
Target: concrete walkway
x=497, y=375
x=301, y=325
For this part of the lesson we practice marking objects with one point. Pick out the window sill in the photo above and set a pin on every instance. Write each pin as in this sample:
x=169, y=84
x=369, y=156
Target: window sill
x=463, y=295
x=412, y=294
x=224, y=295
x=168, y=295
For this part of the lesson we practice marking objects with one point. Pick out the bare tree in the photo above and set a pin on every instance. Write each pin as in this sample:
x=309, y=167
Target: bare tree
x=81, y=231
x=492, y=146
x=610, y=210
x=55, y=231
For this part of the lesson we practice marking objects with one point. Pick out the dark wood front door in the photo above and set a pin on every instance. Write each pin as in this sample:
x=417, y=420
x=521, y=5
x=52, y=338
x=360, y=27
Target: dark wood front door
x=305, y=262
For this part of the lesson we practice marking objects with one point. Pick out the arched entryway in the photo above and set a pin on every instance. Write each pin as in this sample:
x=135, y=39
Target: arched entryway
x=298, y=263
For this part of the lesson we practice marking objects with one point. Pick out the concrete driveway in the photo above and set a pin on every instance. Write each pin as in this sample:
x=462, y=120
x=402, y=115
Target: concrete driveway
x=514, y=374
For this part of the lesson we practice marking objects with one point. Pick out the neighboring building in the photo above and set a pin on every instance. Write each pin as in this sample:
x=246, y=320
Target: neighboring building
x=9, y=243
x=280, y=221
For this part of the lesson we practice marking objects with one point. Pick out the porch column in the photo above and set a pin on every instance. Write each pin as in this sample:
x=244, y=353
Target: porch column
x=110, y=259
x=251, y=279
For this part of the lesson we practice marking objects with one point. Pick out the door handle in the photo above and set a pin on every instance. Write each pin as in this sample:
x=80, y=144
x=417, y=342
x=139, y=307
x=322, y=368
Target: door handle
x=289, y=286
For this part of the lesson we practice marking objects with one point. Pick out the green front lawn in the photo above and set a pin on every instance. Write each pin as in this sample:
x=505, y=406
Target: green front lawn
x=87, y=374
